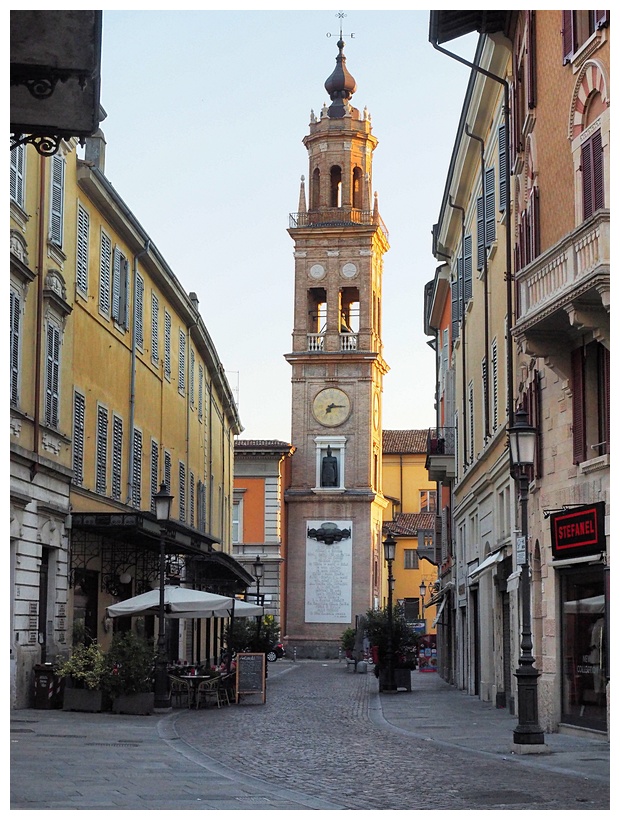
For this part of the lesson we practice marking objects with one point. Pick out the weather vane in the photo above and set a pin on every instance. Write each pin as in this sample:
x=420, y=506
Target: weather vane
x=340, y=16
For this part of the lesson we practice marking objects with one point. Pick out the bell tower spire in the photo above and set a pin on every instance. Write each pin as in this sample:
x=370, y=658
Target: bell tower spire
x=335, y=503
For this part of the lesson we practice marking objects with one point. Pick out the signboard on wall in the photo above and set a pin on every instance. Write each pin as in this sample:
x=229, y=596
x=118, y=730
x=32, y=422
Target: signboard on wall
x=329, y=572
x=578, y=531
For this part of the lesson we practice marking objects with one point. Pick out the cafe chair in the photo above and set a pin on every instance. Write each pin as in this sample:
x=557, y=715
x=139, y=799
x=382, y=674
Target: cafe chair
x=209, y=690
x=180, y=692
x=228, y=688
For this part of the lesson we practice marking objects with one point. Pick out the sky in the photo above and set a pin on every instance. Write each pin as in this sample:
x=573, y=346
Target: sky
x=206, y=113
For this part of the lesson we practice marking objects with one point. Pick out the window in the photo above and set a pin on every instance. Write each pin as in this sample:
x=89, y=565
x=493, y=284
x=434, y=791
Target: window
x=502, y=163
x=136, y=485
x=485, y=218
x=201, y=501
x=412, y=610
x=83, y=228
x=470, y=421
x=139, y=312
x=591, y=401
x=411, y=559
x=200, y=390
x=101, y=451
x=182, y=343
x=120, y=282
x=182, y=510
x=154, y=472
x=52, y=374
x=592, y=175
x=154, y=329
x=167, y=341
x=485, y=398
x=191, y=376
x=105, y=276
x=494, y=386
x=192, y=499
x=79, y=418
x=117, y=456
x=15, y=345
x=18, y=165
x=57, y=200
x=168, y=470
x=467, y=270
x=577, y=28
x=428, y=501
x=237, y=521
x=335, y=179
x=528, y=237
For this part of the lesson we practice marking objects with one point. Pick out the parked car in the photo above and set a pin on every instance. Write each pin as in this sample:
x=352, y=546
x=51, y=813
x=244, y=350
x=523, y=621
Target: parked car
x=276, y=651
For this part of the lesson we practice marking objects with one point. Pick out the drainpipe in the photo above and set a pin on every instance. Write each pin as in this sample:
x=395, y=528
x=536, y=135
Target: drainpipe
x=132, y=394
x=486, y=285
x=39, y=330
x=509, y=278
x=463, y=363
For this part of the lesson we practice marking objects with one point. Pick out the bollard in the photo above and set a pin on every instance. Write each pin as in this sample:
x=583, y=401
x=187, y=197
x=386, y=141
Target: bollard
x=339, y=654
x=294, y=654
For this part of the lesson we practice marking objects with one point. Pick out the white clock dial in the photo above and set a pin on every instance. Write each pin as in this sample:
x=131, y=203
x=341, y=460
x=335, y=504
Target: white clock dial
x=331, y=407
x=349, y=270
x=317, y=271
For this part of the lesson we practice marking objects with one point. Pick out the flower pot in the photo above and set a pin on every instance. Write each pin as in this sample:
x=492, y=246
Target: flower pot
x=82, y=700
x=137, y=703
x=402, y=679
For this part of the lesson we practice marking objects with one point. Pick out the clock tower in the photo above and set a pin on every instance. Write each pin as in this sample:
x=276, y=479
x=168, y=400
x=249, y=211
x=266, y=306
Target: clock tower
x=334, y=503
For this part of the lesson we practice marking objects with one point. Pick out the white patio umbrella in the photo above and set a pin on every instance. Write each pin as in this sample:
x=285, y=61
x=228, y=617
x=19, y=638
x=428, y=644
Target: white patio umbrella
x=181, y=602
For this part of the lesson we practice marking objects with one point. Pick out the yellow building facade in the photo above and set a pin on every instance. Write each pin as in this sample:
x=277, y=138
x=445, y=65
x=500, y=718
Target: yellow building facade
x=116, y=387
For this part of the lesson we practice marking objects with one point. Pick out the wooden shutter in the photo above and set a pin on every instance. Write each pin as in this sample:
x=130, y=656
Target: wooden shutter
x=154, y=328
x=83, y=226
x=534, y=224
x=18, y=157
x=167, y=332
x=154, y=471
x=569, y=45
x=181, y=491
x=57, y=199
x=454, y=290
x=604, y=376
x=117, y=456
x=105, y=261
x=467, y=269
x=530, y=57
x=579, y=415
x=15, y=327
x=101, y=458
x=136, y=485
x=601, y=18
x=52, y=378
x=592, y=175
x=480, y=243
x=502, y=168
x=139, y=317
x=489, y=206
x=79, y=418
x=182, y=340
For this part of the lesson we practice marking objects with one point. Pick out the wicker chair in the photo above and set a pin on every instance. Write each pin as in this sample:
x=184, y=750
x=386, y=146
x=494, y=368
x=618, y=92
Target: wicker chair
x=210, y=690
x=181, y=692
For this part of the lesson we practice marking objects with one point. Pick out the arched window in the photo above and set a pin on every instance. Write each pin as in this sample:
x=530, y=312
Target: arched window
x=315, y=193
x=335, y=188
x=357, y=188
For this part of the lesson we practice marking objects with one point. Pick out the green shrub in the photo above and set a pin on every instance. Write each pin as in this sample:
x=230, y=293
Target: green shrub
x=129, y=664
x=86, y=667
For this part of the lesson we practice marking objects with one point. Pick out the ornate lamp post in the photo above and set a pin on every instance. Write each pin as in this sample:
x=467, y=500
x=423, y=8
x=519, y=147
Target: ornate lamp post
x=389, y=547
x=522, y=447
x=422, y=597
x=258, y=568
x=163, y=502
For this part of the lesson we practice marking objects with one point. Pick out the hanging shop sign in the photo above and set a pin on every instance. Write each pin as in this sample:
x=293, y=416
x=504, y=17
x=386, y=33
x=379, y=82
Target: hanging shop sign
x=578, y=531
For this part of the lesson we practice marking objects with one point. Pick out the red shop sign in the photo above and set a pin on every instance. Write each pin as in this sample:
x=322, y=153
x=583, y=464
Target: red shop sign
x=578, y=531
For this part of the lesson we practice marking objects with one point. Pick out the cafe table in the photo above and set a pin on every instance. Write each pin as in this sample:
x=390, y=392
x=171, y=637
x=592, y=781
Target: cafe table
x=195, y=681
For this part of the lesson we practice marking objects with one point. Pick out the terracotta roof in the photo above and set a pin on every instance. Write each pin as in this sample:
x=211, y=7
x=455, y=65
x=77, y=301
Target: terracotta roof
x=262, y=444
x=400, y=442
x=410, y=523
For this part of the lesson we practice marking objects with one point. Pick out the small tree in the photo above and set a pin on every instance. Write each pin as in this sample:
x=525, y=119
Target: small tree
x=129, y=663
x=246, y=635
x=86, y=667
x=347, y=639
x=403, y=634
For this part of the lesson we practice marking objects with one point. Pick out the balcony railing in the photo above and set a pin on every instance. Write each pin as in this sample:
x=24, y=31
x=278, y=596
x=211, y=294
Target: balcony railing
x=440, y=453
x=564, y=267
x=316, y=342
x=334, y=218
x=348, y=341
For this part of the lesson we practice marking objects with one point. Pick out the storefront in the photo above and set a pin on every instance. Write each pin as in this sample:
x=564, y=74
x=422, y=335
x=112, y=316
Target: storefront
x=579, y=550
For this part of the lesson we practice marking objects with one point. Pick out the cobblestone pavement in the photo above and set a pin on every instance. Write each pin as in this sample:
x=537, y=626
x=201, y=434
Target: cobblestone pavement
x=324, y=740
x=314, y=734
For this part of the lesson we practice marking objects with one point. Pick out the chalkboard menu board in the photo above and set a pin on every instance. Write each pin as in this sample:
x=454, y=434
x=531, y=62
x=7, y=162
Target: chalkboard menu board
x=251, y=674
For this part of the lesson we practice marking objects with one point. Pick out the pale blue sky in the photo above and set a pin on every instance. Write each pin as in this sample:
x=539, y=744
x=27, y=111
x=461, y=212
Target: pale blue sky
x=206, y=112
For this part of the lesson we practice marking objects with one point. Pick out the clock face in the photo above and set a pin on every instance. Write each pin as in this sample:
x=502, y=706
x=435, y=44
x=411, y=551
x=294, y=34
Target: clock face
x=349, y=270
x=331, y=407
x=375, y=412
x=317, y=271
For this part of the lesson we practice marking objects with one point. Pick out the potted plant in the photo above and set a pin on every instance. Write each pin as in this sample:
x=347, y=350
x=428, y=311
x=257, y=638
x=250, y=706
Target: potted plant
x=85, y=675
x=130, y=663
x=403, y=642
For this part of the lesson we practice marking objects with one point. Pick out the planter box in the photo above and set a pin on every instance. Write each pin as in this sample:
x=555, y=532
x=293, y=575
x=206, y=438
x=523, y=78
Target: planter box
x=139, y=703
x=402, y=679
x=82, y=700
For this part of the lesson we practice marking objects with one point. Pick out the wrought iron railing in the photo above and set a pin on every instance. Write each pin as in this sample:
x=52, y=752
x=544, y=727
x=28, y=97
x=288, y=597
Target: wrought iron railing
x=441, y=441
x=335, y=217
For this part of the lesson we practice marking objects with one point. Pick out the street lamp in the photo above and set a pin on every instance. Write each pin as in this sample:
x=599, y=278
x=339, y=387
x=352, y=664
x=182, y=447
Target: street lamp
x=163, y=502
x=389, y=547
x=522, y=438
x=258, y=568
x=422, y=597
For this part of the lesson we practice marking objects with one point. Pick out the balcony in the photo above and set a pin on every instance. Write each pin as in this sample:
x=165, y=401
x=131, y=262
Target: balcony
x=336, y=218
x=316, y=342
x=440, y=453
x=566, y=286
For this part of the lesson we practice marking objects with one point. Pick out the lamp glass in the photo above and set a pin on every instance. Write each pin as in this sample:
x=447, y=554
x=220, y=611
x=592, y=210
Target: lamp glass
x=389, y=547
x=522, y=440
x=163, y=503
x=422, y=590
x=259, y=568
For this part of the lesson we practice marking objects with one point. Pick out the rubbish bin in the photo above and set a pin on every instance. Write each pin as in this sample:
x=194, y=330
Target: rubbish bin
x=47, y=687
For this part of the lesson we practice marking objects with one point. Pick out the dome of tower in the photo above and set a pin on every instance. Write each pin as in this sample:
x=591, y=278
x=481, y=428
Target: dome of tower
x=340, y=85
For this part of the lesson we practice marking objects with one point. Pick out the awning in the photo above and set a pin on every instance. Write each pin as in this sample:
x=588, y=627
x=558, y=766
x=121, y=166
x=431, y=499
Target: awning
x=489, y=561
x=439, y=611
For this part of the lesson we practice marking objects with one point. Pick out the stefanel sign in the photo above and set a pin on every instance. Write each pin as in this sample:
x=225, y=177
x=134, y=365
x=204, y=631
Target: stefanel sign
x=578, y=531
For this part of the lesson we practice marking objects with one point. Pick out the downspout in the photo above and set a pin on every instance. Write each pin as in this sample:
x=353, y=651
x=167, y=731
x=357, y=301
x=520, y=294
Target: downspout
x=39, y=331
x=504, y=83
x=132, y=390
x=486, y=284
x=463, y=363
